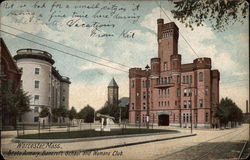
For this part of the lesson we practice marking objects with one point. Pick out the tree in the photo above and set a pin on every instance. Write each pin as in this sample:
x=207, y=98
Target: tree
x=15, y=103
x=44, y=112
x=227, y=111
x=55, y=114
x=113, y=111
x=60, y=112
x=87, y=113
x=220, y=13
x=72, y=113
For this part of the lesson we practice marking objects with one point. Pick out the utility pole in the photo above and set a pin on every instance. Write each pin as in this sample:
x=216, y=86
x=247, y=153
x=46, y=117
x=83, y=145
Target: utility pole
x=147, y=92
x=248, y=118
x=190, y=107
x=191, y=114
x=120, y=118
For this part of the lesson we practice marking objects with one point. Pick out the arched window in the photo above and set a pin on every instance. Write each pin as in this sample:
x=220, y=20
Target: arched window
x=200, y=77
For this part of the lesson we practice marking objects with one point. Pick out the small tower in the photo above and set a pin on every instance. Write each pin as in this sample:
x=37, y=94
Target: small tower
x=113, y=93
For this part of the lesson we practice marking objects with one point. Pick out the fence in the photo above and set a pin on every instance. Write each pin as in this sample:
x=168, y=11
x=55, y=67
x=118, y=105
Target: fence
x=39, y=128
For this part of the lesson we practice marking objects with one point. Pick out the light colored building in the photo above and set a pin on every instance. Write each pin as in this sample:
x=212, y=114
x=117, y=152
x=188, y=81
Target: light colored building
x=44, y=84
x=178, y=93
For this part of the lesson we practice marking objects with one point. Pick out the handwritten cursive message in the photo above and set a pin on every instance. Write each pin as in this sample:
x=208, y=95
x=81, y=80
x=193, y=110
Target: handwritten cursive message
x=102, y=19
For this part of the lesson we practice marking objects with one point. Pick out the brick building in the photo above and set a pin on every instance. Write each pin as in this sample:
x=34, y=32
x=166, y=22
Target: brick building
x=10, y=77
x=176, y=91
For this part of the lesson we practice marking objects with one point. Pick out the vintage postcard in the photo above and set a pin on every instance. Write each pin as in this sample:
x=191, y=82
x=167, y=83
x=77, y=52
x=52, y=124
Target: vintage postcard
x=161, y=80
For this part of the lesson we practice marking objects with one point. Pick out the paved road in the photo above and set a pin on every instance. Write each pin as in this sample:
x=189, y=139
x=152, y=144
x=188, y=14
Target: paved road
x=208, y=144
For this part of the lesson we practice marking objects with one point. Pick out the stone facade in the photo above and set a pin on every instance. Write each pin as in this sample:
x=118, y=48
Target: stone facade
x=176, y=91
x=44, y=84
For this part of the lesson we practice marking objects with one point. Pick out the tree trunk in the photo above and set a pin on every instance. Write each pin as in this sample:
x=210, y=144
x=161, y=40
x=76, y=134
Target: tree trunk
x=14, y=122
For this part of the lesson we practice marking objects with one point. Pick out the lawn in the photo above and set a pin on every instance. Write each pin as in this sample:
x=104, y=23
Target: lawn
x=92, y=133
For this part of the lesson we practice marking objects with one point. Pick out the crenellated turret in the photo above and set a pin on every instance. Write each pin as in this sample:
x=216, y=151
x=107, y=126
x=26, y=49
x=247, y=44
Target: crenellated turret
x=176, y=62
x=155, y=66
x=136, y=72
x=202, y=63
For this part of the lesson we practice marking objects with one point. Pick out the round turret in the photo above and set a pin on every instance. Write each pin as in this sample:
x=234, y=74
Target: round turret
x=34, y=54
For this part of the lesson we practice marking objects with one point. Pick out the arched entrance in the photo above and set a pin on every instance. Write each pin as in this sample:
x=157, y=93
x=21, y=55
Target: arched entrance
x=163, y=120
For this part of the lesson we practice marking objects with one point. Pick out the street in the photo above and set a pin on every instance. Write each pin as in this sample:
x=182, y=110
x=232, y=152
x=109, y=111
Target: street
x=207, y=144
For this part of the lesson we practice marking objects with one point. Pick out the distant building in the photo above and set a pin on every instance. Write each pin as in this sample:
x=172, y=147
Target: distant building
x=10, y=77
x=113, y=93
x=42, y=81
x=177, y=91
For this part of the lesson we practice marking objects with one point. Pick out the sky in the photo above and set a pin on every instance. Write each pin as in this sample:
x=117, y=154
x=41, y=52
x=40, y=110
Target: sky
x=123, y=32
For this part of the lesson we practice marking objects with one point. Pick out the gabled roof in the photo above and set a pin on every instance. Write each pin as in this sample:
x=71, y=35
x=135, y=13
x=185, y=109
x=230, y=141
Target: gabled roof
x=113, y=83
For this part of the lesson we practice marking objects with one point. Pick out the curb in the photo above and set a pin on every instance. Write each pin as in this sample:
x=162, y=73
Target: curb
x=16, y=140
x=134, y=143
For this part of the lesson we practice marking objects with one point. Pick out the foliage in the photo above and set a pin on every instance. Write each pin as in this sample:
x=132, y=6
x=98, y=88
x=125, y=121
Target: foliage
x=111, y=111
x=220, y=13
x=228, y=111
x=15, y=103
x=72, y=113
x=87, y=113
x=59, y=112
x=44, y=112
x=115, y=112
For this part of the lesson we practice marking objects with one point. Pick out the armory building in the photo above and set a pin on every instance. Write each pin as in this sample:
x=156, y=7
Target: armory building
x=176, y=91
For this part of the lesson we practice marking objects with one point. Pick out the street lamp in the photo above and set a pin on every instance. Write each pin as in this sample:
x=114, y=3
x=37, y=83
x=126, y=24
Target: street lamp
x=147, y=92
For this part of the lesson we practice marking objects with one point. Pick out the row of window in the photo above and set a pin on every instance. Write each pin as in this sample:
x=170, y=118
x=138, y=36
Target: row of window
x=163, y=92
x=188, y=103
x=37, y=97
x=165, y=80
x=185, y=79
x=167, y=34
x=187, y=92
x=163, y=103
x=186, y=117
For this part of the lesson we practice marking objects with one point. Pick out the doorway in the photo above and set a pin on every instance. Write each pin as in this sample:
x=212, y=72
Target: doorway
x=163, y=120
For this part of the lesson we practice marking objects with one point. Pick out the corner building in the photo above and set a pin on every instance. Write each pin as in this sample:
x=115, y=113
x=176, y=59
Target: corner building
x=44, y=84
x=178, y=93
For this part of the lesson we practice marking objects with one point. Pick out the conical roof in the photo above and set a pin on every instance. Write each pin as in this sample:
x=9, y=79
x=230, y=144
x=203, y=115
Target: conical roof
x=113, y=83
